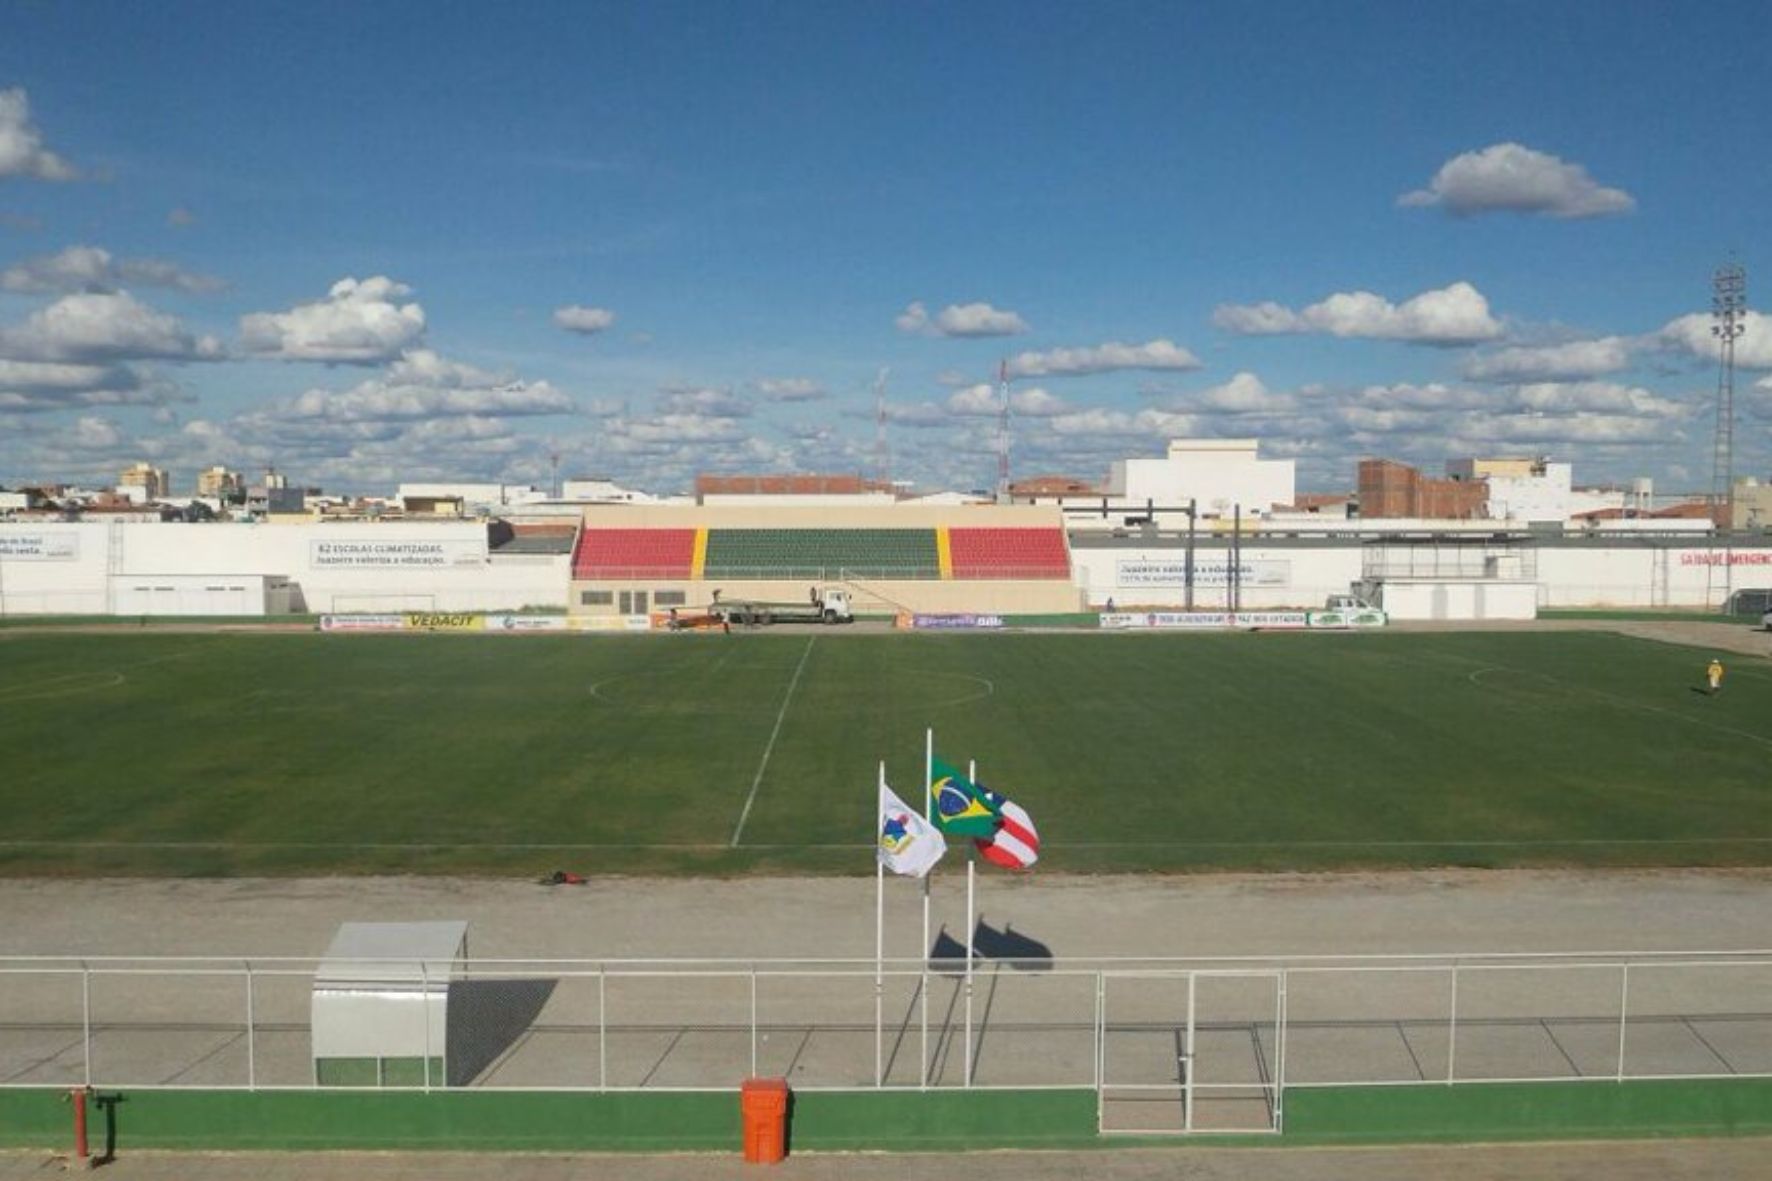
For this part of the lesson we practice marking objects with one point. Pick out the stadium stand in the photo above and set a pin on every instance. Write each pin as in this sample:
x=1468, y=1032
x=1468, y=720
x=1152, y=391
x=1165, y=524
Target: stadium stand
x=634, y=553
x=1009, y=553
x=822, y=553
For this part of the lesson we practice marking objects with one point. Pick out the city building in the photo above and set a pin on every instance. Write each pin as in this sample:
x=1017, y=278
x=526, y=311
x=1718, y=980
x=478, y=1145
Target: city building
x=1219, y=476
x=142, y=482
x=220, y=483
x=782, y=490
x=1389, y=489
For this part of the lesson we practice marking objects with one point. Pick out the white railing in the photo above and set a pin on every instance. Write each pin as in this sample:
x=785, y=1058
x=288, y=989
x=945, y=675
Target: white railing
x=1170, y=1036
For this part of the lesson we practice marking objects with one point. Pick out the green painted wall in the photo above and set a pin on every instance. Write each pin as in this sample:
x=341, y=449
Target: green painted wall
x=953, y=1120
x=852, y=1120
x=1530, y=1111
x=563, y=1121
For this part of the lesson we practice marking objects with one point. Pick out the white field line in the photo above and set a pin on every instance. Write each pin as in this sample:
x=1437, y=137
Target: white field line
x=706, y=846
x=780, y=716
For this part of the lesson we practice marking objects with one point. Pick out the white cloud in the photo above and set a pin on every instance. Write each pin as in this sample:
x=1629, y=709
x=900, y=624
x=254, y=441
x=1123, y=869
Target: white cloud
x=21, y=145
x=1583, y=397
x=916, y=415
x=583, y=320
x=92, y=268
x=1692, y=334
x=1453, y=315
x=380, y=401
x=790, y=389
x=422, y=367
x=95, y=434
x=92, y=327
x=914, y=318
x=703, y=401
x=670, y=430
x=1510, y=177
x=35, y=386
x=1035, y=402
x=1147, y=424
x=53, y=377
x=975, y=401
x=1571, y=359
x=964, y=320
x=984, y=400
x=358, y=323
x=1244, y=393
x=1105, y=358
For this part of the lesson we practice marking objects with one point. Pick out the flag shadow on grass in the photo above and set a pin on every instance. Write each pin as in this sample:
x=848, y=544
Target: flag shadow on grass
x=1022, y=952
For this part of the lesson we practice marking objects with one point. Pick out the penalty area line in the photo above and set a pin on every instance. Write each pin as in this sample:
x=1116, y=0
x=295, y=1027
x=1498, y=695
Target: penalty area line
x=780, y=716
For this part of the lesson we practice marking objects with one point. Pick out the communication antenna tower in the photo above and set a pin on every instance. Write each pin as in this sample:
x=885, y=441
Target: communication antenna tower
x=1003, y=431
x=882, y=453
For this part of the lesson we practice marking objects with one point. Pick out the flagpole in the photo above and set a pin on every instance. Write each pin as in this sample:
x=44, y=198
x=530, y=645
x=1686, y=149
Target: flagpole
x=971, y=927
x=928, y=812
x=879, y=944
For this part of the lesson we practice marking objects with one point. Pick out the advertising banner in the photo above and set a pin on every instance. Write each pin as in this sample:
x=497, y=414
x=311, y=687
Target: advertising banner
x=1208, y=572
x=959, y=622
x=368, y=553
x=608, y=623
x=444, y=621
x=1360, y=617
x=362, y=623
x=1204, y=619
x=61, y=545
x=525, y=623
x=1748, y=557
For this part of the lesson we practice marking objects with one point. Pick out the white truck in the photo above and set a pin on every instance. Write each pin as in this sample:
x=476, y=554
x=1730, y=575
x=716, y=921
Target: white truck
x=830, y=604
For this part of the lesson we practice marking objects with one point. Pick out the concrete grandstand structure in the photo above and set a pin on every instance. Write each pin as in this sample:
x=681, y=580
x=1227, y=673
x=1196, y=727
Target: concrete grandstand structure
x=895, y=558
x=906, y=557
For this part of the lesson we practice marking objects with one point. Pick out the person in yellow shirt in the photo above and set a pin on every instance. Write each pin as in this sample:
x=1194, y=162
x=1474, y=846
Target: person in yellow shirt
x=1714, y=675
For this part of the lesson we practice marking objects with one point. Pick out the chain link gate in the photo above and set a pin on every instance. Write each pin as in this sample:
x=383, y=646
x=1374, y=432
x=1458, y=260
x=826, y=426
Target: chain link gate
x=1191, y=1051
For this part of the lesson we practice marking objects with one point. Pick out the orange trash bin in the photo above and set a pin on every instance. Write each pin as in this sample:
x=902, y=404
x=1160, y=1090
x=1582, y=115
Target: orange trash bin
x=763, y=1102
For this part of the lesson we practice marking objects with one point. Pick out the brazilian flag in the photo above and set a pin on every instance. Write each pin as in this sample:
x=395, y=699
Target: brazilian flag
x=958, y=806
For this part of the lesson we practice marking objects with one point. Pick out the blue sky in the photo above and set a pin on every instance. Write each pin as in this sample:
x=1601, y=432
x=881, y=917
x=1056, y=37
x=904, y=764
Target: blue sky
x=344, y=239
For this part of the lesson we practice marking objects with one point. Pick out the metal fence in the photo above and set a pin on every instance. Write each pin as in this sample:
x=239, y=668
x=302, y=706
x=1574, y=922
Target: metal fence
x=1168, y=1045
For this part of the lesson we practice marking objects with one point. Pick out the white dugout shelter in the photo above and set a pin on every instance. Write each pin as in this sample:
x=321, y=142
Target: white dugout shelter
x=380, y=1010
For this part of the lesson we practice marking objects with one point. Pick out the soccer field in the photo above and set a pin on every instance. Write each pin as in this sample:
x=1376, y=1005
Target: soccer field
x=240, y=753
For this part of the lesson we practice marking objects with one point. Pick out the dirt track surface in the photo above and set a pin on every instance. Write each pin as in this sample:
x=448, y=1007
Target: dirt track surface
x=1438, y=912
x=1690, y=1160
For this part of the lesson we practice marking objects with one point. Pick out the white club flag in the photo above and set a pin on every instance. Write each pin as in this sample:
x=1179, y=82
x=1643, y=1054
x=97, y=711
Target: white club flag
x=909, y=844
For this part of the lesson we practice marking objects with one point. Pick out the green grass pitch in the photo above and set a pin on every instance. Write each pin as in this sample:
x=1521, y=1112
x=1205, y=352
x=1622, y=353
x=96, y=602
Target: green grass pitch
x=237, y=753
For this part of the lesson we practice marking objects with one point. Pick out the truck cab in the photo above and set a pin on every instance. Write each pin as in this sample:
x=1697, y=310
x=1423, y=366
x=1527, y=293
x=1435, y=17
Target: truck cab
x=835, y=605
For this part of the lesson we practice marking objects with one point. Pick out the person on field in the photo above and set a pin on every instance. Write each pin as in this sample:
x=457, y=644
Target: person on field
x=1713, y=674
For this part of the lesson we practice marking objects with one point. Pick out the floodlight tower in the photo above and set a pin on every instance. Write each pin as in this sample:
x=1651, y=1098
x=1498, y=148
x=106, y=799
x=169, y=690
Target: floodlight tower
x=1728, y=322
x=1003, y=431
x=882, y=455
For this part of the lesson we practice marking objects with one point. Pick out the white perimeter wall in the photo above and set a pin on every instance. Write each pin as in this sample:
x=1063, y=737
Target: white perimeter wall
x=1634, y=576
x=1272, y=576
x=63, y=569
x=1597, y=575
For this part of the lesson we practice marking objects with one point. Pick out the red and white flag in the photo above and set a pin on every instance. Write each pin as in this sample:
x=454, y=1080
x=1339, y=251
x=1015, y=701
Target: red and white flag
x=1016, y=843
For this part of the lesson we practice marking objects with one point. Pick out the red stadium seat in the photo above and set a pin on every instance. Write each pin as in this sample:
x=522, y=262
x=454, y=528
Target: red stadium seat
x=1009, y=553
x=634, y=553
